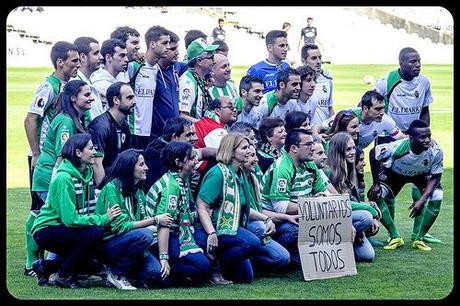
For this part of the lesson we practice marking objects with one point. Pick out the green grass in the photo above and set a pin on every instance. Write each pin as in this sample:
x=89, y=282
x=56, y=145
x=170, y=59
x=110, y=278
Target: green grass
x=401, y=274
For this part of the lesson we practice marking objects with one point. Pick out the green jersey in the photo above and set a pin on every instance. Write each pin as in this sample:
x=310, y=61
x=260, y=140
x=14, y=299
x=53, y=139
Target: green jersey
x=284, y=182
x=61, y=129
x=229, y=90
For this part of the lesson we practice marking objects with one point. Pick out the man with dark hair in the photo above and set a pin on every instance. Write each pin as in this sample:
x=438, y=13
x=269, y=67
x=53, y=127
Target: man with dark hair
x=218, y=33
x=251, y=92
x=131, y=38
x=407, y=93
x=143, y=80
x=192, y=35
x=291, y=176
x=165, y=101
x=223, y=47
x=307, y=87
x=245, y=129
x=311, y=56
x=115, y=60
x=66, y=62
x=90, y=60
x=110, y=131
x=194, y=96
x=267, y=70
x=308, y=34
x=372, y=120
x=417, y=160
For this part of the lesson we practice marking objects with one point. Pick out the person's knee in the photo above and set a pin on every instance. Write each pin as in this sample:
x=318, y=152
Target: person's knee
x=143, y=237
x=250, y=242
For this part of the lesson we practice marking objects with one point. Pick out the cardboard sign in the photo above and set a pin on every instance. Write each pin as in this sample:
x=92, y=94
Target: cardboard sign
x=325, y=237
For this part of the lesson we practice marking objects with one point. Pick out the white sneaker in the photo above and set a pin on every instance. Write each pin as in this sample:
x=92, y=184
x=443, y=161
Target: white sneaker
x=119, y=281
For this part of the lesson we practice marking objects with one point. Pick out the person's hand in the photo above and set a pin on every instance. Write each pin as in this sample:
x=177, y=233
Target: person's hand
x=375, y=227
x=294, y=219
x=165, y=268
x=376, y=207
x=374, y=192
x=212, y=243
x=164, y=219
x=270, y=228
x=416, y=208
x=113, y=212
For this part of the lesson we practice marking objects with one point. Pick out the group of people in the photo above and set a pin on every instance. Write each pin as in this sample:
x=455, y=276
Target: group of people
x=155, y=172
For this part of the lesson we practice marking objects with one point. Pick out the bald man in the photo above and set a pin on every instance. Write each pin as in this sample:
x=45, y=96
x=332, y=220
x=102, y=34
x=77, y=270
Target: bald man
x=222, y=73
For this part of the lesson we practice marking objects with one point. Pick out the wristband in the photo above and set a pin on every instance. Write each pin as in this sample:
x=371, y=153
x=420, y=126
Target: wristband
x=164, y=256
x=211, y=233
x=156, y=220
x=266, y=220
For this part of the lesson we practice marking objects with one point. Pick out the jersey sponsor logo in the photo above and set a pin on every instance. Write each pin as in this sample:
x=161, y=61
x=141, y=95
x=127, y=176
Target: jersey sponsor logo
x=172, y=202
x=407, y=110
x=146, y=92
x=281, y=185
x=39, y=102
x=64, y=137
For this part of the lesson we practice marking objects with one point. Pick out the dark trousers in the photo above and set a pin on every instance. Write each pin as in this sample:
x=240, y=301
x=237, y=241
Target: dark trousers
x=76, y=247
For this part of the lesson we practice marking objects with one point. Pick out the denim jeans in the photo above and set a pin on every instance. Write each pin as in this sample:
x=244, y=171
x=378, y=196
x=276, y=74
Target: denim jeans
x=76, y=247
x=287, y=234
x=233, y=253
x=270, y=255
x=127, y=255
x=195, y=265
x=362, y=220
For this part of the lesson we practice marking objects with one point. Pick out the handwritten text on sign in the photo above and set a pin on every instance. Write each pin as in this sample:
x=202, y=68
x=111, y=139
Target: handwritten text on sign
x=325, y=237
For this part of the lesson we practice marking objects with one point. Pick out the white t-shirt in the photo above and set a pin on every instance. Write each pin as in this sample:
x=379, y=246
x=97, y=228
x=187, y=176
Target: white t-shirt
x=96, y=105
x=322, y=95
x=407, y=99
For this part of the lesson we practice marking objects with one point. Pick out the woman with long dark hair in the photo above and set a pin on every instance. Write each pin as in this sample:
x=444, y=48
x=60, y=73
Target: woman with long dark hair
x=67, y=224
x=342, y=174
x=125, y=249
x=344, y=121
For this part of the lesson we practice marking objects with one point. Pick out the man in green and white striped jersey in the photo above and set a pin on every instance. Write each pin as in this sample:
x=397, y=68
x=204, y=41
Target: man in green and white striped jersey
x=222, y=74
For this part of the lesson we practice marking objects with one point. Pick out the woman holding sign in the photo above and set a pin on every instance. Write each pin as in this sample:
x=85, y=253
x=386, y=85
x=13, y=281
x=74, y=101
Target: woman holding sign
x=224, y=192
x=342, y=173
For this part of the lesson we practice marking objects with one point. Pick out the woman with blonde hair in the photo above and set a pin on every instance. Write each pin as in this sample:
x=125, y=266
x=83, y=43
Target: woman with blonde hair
x=223, y=207
x=342, y=174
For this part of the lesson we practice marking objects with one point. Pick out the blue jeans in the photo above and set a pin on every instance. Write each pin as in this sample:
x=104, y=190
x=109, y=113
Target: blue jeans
x=271, y=255
x=233, y=253
x=287, y=235
x=362, y=220
x=128, y=255
x=195, y=265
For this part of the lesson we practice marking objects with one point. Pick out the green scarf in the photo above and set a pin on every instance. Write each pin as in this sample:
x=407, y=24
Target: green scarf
x=204, y=89
x=268, y=149
x=254, y=190
x=186, y=241
x=211, y=115
x=229, y=213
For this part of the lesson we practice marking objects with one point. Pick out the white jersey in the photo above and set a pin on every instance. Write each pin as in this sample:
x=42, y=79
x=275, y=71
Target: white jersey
x=322, y=95
x=123, y=77
x=101, y=80
x=308, y=107
x=140, y=122
x=270, y=106
x=191, y=96
x=254, y=117
x=407, y=99
x=398, y=157
x=96, y=105
x=281, y=110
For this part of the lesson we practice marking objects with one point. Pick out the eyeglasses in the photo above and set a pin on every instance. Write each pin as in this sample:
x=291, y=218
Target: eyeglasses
x=231, y=107
x=307, y=144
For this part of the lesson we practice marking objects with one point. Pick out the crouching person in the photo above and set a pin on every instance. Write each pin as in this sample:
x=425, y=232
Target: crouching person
x=125, y=249
x=179, y=255
x=67, y=224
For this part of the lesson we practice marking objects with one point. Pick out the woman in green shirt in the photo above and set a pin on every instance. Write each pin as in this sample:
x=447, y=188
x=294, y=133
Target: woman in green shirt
x=67, y=224
x=223, y=192
x=125, y=249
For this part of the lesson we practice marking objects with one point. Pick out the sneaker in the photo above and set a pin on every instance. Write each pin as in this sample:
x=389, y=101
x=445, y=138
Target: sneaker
x=120, y=282
x=29, y=272
x=394, y=244
x=428, y=238
x=42, y=275
x=68, y=282
x=216, y=278
x=420, y=245
x=52, y=279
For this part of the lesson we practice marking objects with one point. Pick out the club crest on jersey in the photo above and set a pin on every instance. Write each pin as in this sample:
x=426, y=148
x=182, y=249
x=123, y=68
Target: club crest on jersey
x=123, y=137
x=416, y=94
x=172, y=203
x=309, y=182
x=383, y=176
x=324, y=89
x=425, y=162
x=281, y=185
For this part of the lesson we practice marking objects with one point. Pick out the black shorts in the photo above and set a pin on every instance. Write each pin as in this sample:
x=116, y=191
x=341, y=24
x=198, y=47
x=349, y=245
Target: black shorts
x=392, y=183
x=37, y=203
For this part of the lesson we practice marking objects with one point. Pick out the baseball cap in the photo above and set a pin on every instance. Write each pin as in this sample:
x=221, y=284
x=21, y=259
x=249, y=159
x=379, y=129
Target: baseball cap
x=197, y=47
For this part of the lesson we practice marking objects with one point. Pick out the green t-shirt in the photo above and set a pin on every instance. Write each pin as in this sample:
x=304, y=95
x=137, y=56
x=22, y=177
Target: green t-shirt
x=61, y=129
x=133, y=208
x=211, y=190
x=285, y=182
x=229, y=90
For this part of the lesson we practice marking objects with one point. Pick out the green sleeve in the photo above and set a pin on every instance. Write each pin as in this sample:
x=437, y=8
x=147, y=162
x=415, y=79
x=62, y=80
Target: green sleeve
x=319, y=185
x=109, y=197
x=280, y=188
x=211, y=187
x=64, y=130
x=62, y=197
x=362, y=206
